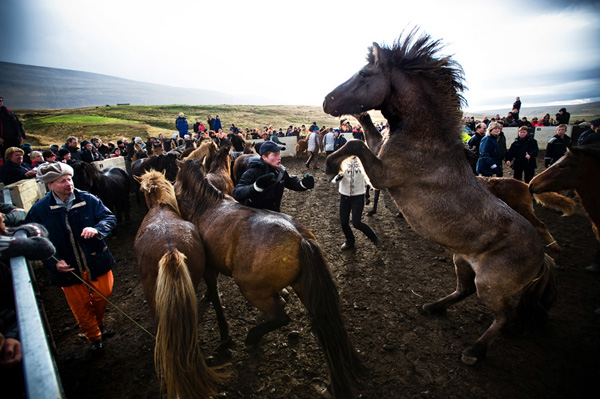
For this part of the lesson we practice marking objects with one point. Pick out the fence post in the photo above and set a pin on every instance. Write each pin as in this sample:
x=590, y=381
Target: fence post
x=41, y=376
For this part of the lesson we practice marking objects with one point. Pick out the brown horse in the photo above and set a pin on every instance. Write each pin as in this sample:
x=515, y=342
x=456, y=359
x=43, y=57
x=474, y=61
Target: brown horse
x=265, y=252
x=206, y=150
x=240, y=165
x=578, y=169
x=219, y=173
x=301, y=147
x=497, y=253
x=170, y=255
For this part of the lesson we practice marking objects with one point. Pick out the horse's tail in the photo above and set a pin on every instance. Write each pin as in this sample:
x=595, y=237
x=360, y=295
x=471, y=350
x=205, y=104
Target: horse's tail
x=320, y=296
x=556, y=201
x=539, y=295
x=177, y=356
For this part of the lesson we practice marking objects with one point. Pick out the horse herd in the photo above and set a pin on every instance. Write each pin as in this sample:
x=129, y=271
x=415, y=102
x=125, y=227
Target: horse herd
x=194, y=230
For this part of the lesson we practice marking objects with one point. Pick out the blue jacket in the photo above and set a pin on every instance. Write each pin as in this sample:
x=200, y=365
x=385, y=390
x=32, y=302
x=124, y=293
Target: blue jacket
x=182, y=125
x=217, y=125
x=64, y=230
x=488, y=157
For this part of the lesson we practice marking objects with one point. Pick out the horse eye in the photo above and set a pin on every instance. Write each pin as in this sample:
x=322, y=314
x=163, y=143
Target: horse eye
x=363, y=74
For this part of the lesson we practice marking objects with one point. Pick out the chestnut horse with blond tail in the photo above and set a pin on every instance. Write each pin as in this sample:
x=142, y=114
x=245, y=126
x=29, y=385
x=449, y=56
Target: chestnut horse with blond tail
x=265, y=252
x=169, y=252
x=422, y=164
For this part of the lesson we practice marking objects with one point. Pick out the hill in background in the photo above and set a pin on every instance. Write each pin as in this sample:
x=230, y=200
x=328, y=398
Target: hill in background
x=34, y=87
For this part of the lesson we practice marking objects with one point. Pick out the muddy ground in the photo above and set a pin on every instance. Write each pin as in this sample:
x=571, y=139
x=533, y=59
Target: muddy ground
x=408, y=355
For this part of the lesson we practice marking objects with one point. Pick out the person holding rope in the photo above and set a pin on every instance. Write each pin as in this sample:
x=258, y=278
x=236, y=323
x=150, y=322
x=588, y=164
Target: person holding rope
x=77, y=223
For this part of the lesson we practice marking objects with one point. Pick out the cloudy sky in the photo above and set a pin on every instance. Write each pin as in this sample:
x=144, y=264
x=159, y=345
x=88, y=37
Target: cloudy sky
x=295, y=52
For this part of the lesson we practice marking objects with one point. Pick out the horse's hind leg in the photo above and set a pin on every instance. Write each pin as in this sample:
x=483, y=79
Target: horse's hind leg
x=465, y=286
x=272, y=308
x=212, y=293
x=496, y=299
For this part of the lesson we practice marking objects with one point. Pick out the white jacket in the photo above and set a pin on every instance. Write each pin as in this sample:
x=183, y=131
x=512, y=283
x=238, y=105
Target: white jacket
x=353, y=182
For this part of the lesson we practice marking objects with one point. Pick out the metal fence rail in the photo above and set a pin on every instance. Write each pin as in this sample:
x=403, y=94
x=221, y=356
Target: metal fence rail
x=41, y=376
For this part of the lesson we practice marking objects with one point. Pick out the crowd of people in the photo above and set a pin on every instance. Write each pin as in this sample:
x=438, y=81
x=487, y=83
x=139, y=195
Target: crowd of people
x=85, y=261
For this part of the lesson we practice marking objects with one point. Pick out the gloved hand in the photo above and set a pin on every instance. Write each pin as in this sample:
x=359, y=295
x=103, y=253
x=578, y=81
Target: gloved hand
x=265, y=181
x=32, y=248
x=308, y=181
x=32, y=230
x=337, y=178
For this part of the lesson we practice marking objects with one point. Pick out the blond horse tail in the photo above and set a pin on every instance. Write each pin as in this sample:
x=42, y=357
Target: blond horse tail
x=177, y=357
x=556, y=201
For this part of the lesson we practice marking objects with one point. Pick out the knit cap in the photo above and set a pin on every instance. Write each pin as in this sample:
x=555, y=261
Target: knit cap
x=49, y=172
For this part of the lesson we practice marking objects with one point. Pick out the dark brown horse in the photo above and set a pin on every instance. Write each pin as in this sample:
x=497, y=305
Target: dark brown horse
x=170, y=255
x=219, y=172
x=497, y=253
x=579, y=169
x=265, y=252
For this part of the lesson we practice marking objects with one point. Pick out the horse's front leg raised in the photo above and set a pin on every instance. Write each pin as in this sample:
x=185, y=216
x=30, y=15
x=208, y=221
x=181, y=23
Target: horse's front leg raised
x=372, y=165
x=372, y=135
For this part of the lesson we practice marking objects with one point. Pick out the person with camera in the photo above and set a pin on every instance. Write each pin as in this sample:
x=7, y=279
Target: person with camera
x=262, y=185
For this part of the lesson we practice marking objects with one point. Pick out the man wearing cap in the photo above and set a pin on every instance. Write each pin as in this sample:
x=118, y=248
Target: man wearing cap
x=261, y=186
x=77, y=224
x=13, y=168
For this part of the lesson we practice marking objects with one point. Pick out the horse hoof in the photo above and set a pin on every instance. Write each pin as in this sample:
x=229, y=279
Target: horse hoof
x=253, y=338
x=472, y=354
x=432, y=308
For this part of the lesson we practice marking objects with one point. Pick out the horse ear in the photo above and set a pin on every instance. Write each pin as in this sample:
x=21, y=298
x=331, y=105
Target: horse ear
x=138, y=178
x=376, y=52
x=179, y=164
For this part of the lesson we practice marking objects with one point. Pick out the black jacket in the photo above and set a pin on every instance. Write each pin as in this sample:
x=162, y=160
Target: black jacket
x=270, y=198
x=519, y=149
x=557, y=147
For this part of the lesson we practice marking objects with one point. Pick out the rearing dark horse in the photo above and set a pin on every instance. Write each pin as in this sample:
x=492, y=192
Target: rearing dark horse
x=422, y=164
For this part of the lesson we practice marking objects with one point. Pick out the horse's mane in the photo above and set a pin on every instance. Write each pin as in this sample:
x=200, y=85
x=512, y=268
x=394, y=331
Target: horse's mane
x=221, y=159
x=153, y=181
x=91, y=172
x=192, y=188
x=419, y=56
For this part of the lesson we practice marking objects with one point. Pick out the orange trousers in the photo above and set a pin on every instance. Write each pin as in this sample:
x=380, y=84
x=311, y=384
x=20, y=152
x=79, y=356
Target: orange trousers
x=87, y=306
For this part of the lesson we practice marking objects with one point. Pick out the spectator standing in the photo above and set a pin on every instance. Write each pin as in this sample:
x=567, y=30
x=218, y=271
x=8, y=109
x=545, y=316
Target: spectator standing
x=475, y=141
x=182, y=125
x=72, y=146
x=329, y=142
x=262, y=185
x=557, y=146
x=77, y=223
x=14, y=169
x=489, y=161
x=12, y=131
x=90, y=153
x=196, y=126
x=352, y=201
x=593, y=127
x=211, y=122
x=521, y=155
x=563, y=117
x=217, y=124
x=314, y=146
x=340, y=140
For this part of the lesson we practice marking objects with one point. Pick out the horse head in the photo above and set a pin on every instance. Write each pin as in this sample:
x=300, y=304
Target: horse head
x=157, y=189
x=408, y=79
x=365, y=90
x=84, y=175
